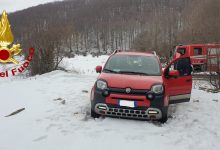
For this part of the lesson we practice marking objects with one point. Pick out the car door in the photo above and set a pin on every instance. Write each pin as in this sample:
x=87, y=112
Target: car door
x=178, y=87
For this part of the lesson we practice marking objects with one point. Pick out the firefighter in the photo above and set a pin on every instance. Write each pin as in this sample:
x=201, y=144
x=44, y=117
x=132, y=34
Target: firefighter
x=183, y=65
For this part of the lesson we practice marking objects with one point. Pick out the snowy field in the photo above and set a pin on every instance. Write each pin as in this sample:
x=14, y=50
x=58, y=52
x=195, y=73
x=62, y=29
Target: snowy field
x=56, y=116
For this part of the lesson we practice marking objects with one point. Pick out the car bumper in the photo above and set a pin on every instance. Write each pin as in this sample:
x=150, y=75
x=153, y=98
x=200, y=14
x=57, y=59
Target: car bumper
x=145, y=110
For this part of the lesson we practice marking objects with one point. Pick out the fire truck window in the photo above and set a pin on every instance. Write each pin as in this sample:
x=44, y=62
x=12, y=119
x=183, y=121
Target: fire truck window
x=197, y=51
x=181, y=51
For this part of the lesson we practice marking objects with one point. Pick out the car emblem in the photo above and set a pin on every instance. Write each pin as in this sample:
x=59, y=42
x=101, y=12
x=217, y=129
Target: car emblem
x=128, y=90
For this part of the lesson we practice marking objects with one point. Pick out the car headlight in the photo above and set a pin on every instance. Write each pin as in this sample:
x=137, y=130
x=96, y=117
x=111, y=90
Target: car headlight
x=101, y=84
x=157, y=89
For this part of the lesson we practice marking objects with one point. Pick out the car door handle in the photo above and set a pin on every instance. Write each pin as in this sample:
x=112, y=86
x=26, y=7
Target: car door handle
x=189, y=80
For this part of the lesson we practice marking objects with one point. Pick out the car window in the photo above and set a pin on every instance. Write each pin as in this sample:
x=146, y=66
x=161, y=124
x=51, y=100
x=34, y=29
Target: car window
x=148, y=65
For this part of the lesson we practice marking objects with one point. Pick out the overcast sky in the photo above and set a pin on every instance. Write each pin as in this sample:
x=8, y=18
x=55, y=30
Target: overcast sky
x=14, y=5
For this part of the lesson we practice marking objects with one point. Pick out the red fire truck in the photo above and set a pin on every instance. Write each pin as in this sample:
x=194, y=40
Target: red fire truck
x=204, y=57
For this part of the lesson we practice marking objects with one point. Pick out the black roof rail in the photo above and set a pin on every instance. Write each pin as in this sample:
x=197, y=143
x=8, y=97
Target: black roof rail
x=116, y=51
x=154, y=52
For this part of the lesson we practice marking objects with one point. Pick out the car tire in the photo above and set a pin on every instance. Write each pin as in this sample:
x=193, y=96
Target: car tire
x=94, y=114
x=164, y=115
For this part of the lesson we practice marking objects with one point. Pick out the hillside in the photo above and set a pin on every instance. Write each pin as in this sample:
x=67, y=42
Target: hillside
x=104, y=24
x=100, y=26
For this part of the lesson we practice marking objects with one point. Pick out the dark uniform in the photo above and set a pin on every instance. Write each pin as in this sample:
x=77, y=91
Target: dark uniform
x=183, y=66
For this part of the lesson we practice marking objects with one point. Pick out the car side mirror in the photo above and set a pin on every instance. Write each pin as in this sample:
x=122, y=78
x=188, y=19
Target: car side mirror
x=163, y=70
x=98, y=69
x=174, y=73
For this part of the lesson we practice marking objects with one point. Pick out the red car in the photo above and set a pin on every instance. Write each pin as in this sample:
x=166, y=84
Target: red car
x=133, y=85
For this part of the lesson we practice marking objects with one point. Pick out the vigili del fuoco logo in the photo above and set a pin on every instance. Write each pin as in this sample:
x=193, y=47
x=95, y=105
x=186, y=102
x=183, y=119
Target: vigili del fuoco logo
x=8, y=52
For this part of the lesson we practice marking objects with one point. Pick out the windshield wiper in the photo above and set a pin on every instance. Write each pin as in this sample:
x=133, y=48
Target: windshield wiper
x=112, y=71
x=132, y=72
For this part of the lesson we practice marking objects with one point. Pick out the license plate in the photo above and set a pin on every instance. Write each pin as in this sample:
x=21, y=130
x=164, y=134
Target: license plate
x=127, y=103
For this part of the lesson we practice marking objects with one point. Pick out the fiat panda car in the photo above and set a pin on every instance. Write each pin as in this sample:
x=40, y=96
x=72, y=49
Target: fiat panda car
x=133, y=85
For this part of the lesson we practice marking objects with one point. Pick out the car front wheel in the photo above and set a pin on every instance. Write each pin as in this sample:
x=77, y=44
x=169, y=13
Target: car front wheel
x=164, y=115
x=94, y=114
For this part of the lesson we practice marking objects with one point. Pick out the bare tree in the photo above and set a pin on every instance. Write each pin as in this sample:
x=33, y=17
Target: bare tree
x=214, y=64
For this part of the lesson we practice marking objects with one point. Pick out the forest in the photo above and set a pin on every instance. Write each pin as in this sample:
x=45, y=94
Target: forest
x=71, y=27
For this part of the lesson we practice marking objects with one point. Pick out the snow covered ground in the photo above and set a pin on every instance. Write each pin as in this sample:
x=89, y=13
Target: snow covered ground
x=56, y=116
x=83, y=65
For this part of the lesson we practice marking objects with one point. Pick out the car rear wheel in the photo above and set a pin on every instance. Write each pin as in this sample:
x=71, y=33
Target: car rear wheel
x=94, y=114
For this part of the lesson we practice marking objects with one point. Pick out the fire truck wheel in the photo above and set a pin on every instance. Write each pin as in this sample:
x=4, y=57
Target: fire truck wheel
x=203, y=67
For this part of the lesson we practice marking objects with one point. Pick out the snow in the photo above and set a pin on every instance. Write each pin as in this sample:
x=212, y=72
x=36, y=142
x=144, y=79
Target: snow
x=15, y=5
x=47, y=123
x=83, y=65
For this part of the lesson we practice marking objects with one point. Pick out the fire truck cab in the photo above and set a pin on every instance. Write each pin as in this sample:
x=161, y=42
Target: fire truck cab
x=204, y=57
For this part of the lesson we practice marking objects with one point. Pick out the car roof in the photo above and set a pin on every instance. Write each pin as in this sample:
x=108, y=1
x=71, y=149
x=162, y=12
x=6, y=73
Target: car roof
x=134, y=53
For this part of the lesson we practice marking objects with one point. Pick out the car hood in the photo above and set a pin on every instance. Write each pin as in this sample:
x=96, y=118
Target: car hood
x=131, y=81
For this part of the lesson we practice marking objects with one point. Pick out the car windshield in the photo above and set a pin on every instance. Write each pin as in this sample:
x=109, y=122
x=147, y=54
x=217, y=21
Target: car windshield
x=133, y=64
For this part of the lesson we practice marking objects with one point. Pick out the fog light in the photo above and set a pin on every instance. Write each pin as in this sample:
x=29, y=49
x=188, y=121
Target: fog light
x=152, y=112
x=106, y=93
x=102, y=107
x=150, y=96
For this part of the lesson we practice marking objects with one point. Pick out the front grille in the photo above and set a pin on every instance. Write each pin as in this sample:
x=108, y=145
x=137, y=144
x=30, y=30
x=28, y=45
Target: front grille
x=121, y=112
x=130, y=113
x=123, y=91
